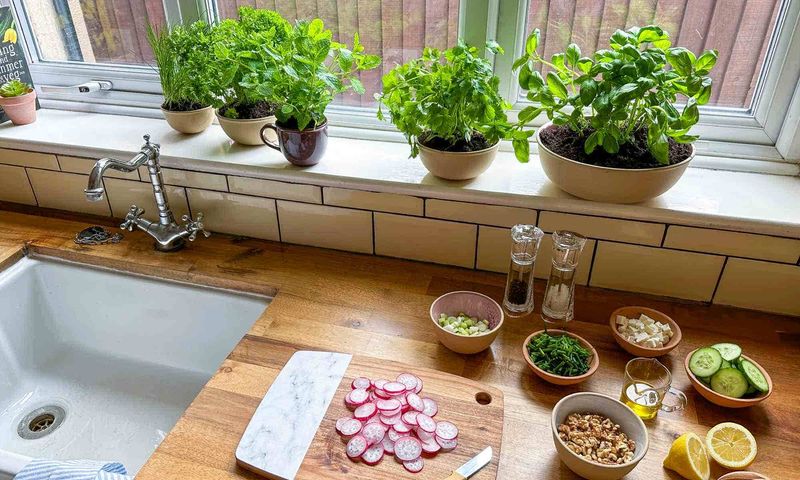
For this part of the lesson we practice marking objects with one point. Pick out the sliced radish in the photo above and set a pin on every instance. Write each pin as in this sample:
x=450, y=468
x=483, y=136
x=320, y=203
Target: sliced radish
x=388, y=445
x=407, y=448
x=361, y=382
x=431, y=407
x=393, y=435
x=409, y=380
x=373, y=455
x=373, y=419
x=392, y=413
x=340, y=422
x=379, y=383
x=447, y=444
x=419, y=386
x=390, y=420
x=393, y=388
x=356, y=446
x=431, y=447
x=415, y=402
x=358, y=396
x=388, y=405
x=424, y=436
x=365, y=411
x=414, y=466
x=401, y=427
x=426, y=423
x=446, y=430
x=350, y=427
x=373, y=433
x=410, y=418
x=380, y=393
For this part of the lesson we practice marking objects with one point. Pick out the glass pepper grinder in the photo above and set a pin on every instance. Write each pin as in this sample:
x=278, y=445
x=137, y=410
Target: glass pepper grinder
x=518, y=299
x=559, y=296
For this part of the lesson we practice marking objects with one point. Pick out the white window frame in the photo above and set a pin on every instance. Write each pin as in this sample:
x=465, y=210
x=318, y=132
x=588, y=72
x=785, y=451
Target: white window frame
x=766, y=131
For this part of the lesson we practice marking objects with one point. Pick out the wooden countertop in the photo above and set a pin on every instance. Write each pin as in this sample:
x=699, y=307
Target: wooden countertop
x=375, y=306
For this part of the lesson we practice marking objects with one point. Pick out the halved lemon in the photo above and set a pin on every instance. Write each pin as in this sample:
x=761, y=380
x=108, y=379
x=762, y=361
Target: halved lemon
x=731, y=445
x=687, y=456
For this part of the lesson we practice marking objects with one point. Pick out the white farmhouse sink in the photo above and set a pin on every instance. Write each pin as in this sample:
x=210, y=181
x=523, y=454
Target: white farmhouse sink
x=122, y=355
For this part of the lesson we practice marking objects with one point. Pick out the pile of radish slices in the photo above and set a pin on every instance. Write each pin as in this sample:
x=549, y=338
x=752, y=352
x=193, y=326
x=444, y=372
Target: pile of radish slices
x=390, y=417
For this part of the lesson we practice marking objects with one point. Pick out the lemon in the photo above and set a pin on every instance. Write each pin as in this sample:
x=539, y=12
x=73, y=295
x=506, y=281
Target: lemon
x=731, y=445
x=687, y=456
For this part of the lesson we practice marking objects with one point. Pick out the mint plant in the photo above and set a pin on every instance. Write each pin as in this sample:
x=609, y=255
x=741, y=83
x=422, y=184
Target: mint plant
x=615, y=93
x=14, y=88
x=306, y=71
x=451, y=97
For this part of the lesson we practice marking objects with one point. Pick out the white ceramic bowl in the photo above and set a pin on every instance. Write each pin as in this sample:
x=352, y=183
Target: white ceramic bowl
x=629, y=422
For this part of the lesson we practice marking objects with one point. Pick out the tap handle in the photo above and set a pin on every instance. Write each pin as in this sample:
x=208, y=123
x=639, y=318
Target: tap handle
x=130, y=219
x=195, y=225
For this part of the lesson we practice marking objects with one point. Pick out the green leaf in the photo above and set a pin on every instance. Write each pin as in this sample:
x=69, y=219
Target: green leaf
x=588, y=91
x=532, y=43
x=573, y=54
x=556, y=86
x=660, y=149
x=358, y=87
x=705, y=62
x=524, y=77
x=536, y=81
x=682, y=60
x=610, y=144
x=518, y=63
x=585, y=64
x=591, y=143
x=624, y=93
x=522, y=149
x=528, y=113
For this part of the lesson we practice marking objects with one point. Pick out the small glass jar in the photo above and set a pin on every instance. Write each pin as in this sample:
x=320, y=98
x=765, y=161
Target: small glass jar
x=559, y=295
x=518, y=299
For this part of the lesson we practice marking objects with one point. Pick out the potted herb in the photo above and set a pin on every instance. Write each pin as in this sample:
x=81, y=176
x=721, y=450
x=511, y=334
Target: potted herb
x=244, y=50
x=614, y=133
x=310, y=70
x=18, y=100
x=181, y=55
x=448, y=107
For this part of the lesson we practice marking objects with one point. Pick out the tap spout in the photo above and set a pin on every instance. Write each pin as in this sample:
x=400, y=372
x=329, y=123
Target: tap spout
x=94, y=190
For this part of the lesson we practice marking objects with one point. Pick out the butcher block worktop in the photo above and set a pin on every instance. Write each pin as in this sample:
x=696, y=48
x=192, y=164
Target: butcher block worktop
x=378, y=307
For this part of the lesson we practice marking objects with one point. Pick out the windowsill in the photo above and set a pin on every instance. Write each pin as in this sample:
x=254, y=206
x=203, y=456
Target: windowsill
x=748, y=202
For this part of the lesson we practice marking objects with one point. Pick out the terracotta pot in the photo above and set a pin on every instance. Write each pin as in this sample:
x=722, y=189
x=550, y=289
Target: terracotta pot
x=191, y=121
x=245, y=131
x=457, y=165
x=21, y=110
x=594, y=360
x=638, y=350
x=606, y=184
x=300, y=147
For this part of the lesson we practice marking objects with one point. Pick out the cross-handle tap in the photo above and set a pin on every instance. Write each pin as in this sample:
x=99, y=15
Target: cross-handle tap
x=130, y=219
x=194, y=226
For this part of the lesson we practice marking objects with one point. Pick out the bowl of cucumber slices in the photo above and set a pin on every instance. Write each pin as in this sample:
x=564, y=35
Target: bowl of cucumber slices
x=726, y=377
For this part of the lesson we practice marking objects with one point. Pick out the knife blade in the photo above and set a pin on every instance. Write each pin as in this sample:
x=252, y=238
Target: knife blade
x=473, y=465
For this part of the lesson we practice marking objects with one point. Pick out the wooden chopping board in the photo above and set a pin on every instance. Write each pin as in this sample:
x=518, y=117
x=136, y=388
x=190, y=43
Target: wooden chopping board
x=475, y=408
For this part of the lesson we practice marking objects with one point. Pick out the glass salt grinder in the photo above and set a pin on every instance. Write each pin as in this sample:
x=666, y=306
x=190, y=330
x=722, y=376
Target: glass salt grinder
x=559, y=296
x=518, y=299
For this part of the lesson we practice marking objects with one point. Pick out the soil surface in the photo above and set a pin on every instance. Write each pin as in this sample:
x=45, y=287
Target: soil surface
x=475, y=143
x=633, y=154
x=291, y=124
x=247, y=111
x=181, y=106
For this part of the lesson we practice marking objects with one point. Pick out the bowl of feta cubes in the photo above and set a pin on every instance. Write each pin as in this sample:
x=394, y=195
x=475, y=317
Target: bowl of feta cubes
x=644, y=332
x=466, y=322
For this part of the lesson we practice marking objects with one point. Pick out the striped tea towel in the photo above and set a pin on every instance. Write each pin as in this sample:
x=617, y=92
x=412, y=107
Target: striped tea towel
x=72, y=470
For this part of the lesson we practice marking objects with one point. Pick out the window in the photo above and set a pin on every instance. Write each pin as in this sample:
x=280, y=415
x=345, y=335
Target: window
x=69, y=42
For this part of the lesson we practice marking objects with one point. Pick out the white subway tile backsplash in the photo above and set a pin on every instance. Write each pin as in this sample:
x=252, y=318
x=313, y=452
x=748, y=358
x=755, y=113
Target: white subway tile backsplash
x=124, y=193
x=425, y=239
x=269, y=188
x=658, y=271
x=480, y=214
x=64, y=191
x=28, y=159
x=604, y=228
x=324, y=226
x=772, y=287
x=84, y=165
x=187, y=178
x=14, y=186
x=236, y=214
x=379, y=202
x=778, y=249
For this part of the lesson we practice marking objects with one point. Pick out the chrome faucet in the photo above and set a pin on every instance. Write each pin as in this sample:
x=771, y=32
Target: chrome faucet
x=169, y=235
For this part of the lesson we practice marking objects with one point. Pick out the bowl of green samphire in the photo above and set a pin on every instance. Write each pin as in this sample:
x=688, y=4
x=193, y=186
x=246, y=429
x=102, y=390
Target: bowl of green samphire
x=560, y=357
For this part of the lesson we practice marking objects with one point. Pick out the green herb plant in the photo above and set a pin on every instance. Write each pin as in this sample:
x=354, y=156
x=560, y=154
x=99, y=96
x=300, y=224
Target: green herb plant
x=308, y=71
x=244, y=50
x=181, y=54
x=451, y=95
x=609, y=96
x=14, y=88
x=559, y=355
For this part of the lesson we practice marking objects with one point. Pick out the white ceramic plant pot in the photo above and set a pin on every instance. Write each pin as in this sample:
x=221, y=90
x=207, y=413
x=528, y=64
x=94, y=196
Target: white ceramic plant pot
x=247, y=131
x=192, y=121
x=457, y=165
x=606, y=184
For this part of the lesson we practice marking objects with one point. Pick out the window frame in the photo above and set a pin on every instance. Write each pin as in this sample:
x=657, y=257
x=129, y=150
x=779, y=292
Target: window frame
x=766, y=131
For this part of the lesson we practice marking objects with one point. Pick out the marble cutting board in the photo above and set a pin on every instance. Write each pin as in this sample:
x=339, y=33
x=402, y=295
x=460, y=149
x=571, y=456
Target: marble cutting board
x=292, y=432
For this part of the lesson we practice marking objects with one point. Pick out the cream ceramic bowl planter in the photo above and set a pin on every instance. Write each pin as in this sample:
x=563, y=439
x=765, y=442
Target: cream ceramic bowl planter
x=606, y=184
x=457, y=165
x=190, y=121
x=247, y=131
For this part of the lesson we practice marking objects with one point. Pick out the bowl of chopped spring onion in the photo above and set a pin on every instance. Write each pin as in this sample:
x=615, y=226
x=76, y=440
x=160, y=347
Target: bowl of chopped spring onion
x=560, y=357
x=466, y=322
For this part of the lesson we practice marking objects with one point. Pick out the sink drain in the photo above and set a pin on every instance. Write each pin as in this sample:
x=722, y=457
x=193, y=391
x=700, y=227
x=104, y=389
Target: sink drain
x=41, y=422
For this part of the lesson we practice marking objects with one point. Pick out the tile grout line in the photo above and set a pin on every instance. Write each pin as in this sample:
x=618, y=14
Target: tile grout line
x=591, y=265
x=664, y=237
x=278, y=220
x=719, y=280
x=477, y=242
x=373, y=234
x=30, y=184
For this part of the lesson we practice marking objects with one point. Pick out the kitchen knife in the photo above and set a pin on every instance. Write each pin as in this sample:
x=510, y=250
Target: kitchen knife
x=472, y=466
